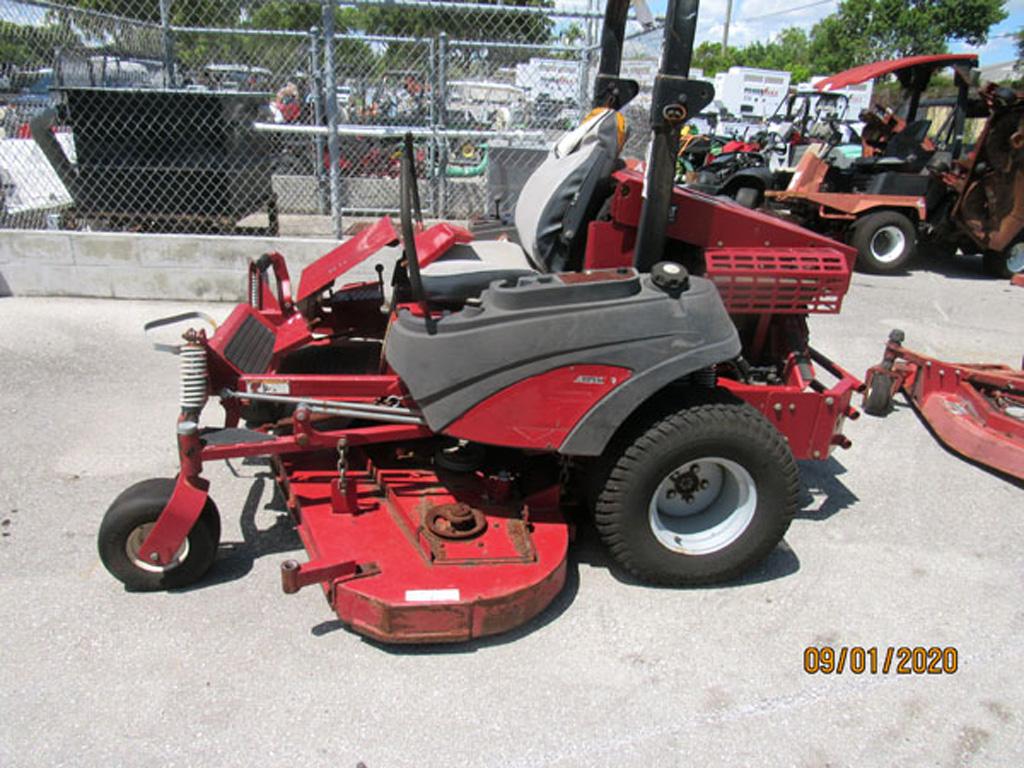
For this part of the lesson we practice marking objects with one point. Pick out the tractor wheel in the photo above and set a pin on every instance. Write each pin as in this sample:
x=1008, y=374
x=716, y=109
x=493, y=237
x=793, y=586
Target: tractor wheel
x=1006, y=264
x=700, y=496
x=128, y=522
x=885, y=241
x=878, y=397
x=748, y=197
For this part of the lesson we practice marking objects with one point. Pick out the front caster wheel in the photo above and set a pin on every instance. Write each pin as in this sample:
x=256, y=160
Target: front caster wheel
x=878, y=395
x=700, y=496
x=127, y=524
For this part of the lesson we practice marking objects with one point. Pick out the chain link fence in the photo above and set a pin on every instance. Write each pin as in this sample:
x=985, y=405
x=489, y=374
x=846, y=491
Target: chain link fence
x=286, y=116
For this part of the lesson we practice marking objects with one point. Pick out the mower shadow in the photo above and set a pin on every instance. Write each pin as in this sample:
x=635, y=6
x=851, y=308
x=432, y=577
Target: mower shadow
x=960, y=266
x=235, y=558
x=589, y=549
x=823, y=494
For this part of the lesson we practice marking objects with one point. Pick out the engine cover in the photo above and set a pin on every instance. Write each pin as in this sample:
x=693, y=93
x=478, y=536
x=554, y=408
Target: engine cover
x=525, y=328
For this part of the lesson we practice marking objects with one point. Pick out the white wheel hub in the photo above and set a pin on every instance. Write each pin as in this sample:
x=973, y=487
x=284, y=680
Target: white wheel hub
x=133, y=544
x=888, y=244
x=1015, y=260
x=703, y=506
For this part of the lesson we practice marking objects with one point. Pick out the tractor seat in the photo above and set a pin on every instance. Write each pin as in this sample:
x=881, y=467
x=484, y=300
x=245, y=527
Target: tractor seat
x=465, y=270
x=554, y=206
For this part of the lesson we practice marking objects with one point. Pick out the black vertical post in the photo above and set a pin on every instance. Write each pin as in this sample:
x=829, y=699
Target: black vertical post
x=613, y=36
x=913, y=104
x=667, y=117
x=960, y=114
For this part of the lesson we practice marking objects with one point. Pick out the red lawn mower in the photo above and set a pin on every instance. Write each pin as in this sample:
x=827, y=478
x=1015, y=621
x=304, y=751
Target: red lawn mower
x=642, y=353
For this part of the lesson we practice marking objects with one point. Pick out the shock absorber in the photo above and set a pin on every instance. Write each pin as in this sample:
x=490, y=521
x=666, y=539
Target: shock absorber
x=705, y=377
x=194, y=380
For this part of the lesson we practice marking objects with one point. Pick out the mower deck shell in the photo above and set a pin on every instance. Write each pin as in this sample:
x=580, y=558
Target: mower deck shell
x=408, y=585
x=965, y=405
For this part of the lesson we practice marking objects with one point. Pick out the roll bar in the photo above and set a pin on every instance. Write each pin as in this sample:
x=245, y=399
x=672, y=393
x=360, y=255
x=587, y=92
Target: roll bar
x=675, y=98
x=610, y=90
x=409, y=206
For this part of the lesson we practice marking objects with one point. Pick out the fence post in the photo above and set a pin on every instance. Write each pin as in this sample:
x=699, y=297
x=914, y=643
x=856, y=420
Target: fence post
x=168, y=43
x=331, y=103
x=317, y=91
x=441, y=120
x=584, y=75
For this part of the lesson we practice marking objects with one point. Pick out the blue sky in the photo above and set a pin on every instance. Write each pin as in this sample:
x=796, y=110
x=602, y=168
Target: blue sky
x=761, y=19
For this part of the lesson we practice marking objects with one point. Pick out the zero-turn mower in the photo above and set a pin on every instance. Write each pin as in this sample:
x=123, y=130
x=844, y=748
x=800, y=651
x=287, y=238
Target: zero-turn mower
x=641, y=353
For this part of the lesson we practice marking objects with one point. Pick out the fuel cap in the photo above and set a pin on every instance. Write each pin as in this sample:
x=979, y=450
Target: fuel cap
x=672, y=278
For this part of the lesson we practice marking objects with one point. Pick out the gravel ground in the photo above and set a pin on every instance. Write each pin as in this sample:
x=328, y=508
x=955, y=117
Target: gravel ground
x=899, y=542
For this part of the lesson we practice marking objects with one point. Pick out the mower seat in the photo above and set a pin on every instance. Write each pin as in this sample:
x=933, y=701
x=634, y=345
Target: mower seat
x=554, y=206
x=465, y=270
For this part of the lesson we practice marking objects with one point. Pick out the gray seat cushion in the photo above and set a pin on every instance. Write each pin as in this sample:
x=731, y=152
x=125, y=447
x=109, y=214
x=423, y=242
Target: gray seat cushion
x=465, y=270
x=556, y=195
x=565, y=184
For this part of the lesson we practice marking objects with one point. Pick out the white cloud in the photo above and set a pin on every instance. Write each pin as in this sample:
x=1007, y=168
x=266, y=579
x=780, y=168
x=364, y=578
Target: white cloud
x=759, y=20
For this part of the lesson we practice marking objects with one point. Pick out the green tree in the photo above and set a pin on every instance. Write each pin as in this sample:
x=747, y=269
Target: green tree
x=27, y=46
x=861, y=31
x=789, y=51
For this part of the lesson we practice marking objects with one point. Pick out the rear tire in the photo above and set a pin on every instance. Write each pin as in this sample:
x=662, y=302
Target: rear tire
x=1006, y=264
x=885, y=241
x=699, y=496
x=128, y=522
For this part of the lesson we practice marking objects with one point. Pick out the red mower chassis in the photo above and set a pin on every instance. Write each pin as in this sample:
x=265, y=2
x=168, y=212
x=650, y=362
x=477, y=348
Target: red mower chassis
x=643, y=355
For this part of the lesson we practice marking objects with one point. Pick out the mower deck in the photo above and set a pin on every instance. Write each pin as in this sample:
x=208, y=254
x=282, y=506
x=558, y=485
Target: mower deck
x=977, y=410
x=405, y=556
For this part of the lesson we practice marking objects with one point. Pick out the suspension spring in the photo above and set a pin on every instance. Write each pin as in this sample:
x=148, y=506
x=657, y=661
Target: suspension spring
x=194, y=382
x=255, y=280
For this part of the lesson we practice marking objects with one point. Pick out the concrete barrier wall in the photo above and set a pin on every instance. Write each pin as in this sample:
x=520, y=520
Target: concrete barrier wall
x=130, y=265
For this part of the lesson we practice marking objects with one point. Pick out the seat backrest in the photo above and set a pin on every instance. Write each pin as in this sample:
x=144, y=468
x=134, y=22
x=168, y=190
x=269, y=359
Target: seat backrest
x=553, y=203
x=908, y=142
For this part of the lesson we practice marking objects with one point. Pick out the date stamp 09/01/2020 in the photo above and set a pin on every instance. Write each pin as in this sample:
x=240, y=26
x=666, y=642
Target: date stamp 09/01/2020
x=873, y=660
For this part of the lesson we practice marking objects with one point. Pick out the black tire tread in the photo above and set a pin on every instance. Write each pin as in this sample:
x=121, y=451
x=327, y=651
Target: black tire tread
x=609, y=508
x=878, y=398
x=141, y=503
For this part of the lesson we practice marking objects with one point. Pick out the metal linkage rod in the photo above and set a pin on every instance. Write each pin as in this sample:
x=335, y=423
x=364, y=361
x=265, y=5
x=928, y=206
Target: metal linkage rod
x=367, y=411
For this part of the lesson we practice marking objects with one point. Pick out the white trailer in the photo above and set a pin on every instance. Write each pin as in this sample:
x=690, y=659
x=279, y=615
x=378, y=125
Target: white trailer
x=751, y=93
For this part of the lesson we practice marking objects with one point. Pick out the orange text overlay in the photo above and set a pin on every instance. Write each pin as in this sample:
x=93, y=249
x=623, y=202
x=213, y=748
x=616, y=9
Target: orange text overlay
x=874, y=660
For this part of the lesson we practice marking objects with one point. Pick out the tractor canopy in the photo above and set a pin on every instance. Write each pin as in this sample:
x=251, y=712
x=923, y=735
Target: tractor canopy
x=913, y=72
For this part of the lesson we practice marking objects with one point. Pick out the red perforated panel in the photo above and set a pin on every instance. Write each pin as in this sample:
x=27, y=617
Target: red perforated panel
x=779, y=280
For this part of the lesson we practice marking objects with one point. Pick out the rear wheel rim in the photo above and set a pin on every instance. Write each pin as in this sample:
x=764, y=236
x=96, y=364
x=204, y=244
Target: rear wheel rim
x=703, y=506
x=888, y=244
x=133, y=545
